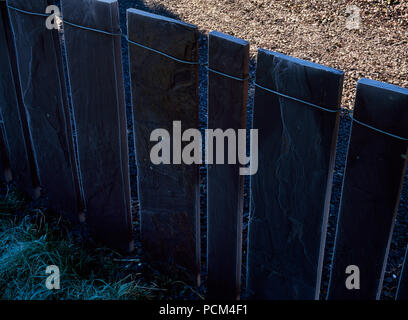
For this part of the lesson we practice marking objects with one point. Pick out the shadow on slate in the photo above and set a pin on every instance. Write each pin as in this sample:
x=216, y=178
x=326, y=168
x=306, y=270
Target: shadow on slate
x=45, y=100
x=290, y=194
x=97, y=91
x=17, y=143
x=163, y=91
x=227, y=99
x=372, y=185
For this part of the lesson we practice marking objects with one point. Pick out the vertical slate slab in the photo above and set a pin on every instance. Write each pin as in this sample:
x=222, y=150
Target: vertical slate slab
x=16, y=133
x=42, y=86
x=163, y=91
x=402, y=291
x=227, y=100
x=290, y=194
x=96, y=79
x=371, y=189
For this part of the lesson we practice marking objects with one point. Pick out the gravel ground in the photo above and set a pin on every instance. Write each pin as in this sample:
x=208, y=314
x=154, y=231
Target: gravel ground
x=311, y=30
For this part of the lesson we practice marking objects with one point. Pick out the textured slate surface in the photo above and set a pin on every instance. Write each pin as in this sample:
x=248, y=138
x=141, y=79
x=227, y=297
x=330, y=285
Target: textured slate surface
x=402, y=292
x=42, y=87
x=290, y=194
x=99, y=107
x=15, y=127
x=372, y=185
x=163, y=91
x=226, y=109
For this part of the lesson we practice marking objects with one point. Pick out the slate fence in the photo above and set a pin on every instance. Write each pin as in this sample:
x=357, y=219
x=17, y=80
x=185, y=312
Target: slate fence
x=296, y=110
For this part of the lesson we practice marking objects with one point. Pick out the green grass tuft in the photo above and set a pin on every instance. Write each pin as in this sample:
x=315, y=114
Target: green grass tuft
x=30, y=242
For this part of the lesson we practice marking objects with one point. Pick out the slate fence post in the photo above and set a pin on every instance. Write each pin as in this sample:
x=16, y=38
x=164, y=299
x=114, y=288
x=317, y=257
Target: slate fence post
x=296, y=113
x=376, y=163
x=97, y=87
x=43, y=88
x=18, y=152
x=165, y=94
x=227, y=99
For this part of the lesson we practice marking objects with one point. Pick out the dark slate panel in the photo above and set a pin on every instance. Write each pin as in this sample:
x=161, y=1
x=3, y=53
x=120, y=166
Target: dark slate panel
x=164, y=91
x=16, y=133
x=372, y=184
x=227, y=100
x=290, y=194
x=42, y=87
x=96, y=79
